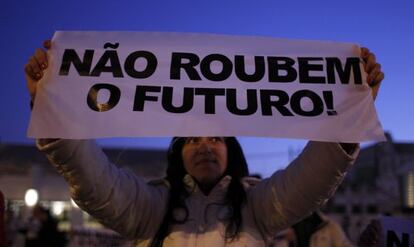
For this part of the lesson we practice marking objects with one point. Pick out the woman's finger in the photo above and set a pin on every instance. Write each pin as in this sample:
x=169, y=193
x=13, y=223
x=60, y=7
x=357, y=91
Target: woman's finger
x=47, y=44
x=35, y=69
x=378, y=78
x=28, y=70
x=371, y=77
x=370, y=63
x=41, y=58
x=30, y=79
x=364, y=53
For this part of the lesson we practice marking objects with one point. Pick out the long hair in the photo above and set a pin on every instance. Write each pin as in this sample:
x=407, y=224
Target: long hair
x=235, y=197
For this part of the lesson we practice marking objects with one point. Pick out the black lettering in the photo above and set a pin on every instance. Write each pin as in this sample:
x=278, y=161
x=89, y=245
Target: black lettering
x=114, y=96
x=277, y=64
x=280, y=103
x=240, y=69
x=210, y=98
x=231, y=101
x=393, y=240
x=141, y=96
x=71, y=57
x=305, y=67
x=114, y=66
x=226, y=71
x=167, y=100
x=317, y=102
x=129, y=65
x=328, y=97
x=177, y=64
x=111, y=45
x=334, y=64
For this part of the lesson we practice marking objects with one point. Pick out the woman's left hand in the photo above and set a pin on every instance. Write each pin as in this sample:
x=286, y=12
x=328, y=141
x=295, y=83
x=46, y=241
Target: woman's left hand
x=373, y=69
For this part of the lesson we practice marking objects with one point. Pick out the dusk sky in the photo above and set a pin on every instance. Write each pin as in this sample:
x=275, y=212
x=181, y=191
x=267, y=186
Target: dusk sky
x=385, y=27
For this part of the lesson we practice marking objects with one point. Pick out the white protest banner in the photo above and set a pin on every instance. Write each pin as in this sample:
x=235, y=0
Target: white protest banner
x=117, y=84
x=397, y=232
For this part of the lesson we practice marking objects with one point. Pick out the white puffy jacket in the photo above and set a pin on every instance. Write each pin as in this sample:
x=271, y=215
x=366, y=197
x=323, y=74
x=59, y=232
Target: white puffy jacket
x=125, y=203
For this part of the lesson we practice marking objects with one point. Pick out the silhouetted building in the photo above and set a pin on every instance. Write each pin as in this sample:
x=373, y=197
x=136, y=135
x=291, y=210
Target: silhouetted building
x=380, y=183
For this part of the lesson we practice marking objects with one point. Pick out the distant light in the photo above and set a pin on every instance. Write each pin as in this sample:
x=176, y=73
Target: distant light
x=410, y=190
x=73, y=203
x=57, y=208
x=407, y=189
x=31, y=197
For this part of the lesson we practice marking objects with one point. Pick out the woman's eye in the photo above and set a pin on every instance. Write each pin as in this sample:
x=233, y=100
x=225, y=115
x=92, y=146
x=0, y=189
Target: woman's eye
x=216, y=139
x=191, y=140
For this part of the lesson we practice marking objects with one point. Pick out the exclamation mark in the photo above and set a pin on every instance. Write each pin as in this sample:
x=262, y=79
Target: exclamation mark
x=328, y=97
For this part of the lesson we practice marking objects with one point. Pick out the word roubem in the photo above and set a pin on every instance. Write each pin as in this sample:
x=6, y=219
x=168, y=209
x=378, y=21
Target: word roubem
x=217, y=68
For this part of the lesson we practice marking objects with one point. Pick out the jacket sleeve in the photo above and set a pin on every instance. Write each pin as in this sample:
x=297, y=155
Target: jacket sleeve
x=305, y=185
x=117, y=198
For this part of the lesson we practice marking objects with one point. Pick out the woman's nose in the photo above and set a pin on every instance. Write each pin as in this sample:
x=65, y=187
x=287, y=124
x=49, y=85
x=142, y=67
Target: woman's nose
x=205, y=145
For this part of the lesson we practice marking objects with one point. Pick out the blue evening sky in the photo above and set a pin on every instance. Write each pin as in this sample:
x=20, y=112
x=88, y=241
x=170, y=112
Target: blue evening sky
x=386, y=27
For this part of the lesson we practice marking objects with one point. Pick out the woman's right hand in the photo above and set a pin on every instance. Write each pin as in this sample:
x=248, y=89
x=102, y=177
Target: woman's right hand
x=371, y=235
x=35, y=67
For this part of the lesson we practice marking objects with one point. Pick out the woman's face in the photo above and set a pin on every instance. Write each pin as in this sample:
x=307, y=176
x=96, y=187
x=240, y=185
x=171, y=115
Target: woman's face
x=205, y=158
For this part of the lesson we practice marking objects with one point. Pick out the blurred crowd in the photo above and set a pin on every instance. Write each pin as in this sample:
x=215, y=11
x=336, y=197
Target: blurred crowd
x=41, y=230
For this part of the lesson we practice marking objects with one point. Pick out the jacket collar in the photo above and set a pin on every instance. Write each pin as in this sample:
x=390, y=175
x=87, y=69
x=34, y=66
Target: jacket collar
x=219, y=189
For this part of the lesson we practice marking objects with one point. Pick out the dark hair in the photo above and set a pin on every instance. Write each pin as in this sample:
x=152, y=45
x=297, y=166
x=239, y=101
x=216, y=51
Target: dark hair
x=235, y=197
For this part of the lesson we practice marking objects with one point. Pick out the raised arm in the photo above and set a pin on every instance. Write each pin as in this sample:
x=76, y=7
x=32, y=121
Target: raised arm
x=116, y=197
x=311, y=179
x=304, y=186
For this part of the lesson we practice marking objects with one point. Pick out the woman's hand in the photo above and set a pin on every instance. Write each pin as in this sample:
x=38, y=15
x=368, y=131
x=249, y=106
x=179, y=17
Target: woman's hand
x=35, y=67
x=374, y=78
x=371, y=235
x=373, y=69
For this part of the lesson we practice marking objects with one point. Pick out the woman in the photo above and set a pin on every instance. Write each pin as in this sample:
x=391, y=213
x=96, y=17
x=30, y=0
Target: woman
x=206, y=198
